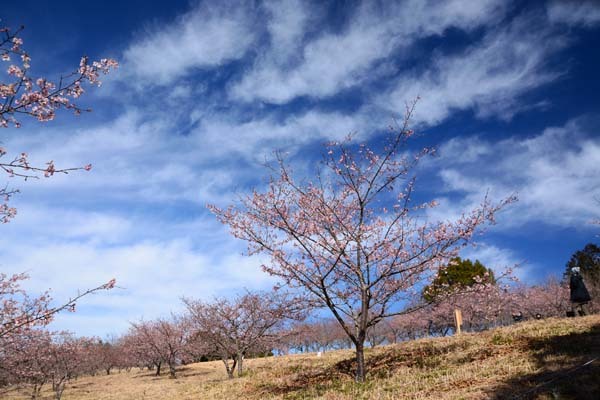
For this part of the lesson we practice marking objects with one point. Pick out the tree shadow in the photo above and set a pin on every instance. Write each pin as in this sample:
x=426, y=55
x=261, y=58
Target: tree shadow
x=567, y=367
x=381, y=364
x=181, y=371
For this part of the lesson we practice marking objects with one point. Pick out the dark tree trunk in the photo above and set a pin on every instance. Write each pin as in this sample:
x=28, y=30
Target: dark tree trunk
x=240, y=360
x=172, y=371
x=35, y=394
x=360, y=361
x=59, y=388
x=230, y=369
x=158, y=369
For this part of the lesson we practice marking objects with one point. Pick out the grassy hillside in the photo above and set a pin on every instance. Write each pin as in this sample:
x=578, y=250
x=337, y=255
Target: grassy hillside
x=531, y=360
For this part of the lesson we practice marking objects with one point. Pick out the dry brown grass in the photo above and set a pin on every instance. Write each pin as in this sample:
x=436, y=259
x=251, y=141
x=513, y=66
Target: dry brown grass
x=532, y=360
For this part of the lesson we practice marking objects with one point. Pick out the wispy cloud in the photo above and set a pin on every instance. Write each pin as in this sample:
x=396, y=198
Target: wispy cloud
x=575, y=13
x=335, y=61
x=488, y=77
x=499, y=259
x=206, y=37
x=555, y=175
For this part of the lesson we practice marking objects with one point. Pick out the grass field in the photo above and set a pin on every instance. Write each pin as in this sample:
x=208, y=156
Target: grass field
x=531, y=360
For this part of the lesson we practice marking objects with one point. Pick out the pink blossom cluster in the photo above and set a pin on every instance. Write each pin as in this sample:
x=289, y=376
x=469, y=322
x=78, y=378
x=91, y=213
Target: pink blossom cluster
x=39, y=97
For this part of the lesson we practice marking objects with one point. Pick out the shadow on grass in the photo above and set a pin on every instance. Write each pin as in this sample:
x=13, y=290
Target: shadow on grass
x=185, y=372
x=560, y=366
x=568, y=367
x=379, y=364
x=182, y=372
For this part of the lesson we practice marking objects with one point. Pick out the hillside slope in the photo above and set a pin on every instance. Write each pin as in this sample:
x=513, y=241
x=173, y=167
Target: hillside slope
x=531, y=360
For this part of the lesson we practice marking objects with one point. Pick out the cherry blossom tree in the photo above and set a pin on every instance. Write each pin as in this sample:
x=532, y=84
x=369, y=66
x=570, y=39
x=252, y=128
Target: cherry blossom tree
x=549, y=299
x=67, y=360
x=377, y=335
x=251, y=322
x=139, y=350
x=27, y=351
x=320, y=334
x=164, y=340
x=351, y=237
x=103, y=355
x=25, y=360
x=327, y=334
x=38, y=357
x=407, y=326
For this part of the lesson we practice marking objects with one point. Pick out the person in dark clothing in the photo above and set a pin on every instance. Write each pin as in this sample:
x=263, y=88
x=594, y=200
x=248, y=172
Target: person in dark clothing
x=579, y=293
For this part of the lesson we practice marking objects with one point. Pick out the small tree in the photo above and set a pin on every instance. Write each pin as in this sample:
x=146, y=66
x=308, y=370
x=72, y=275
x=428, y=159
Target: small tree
x=37, y=357
x=133, y=345
x=234, y=328
x=104, y=355
x=25, y=360
x=349, y=237
x=67, y=361
x=163, y=340
x=458, y=274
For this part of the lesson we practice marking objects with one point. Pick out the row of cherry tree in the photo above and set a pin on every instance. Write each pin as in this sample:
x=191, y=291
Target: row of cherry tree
x=250, y=325
x=227, y=329
x=490, y=305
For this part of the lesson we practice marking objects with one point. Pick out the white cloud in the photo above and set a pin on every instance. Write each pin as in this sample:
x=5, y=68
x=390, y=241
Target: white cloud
x=57, y=223
x=498, y=260
x=335, y=61
x=205, y=37
x=152, y=276
x=488, y=77
x=574, y=13
x=256, y=139
x=555, y=175
x=143, y=160
x=286, y=25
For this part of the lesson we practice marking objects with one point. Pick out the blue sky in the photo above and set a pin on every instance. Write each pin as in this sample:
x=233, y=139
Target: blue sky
x=207, y=90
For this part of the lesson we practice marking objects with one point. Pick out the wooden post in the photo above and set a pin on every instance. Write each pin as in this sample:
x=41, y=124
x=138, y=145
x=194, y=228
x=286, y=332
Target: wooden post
x=457, y=320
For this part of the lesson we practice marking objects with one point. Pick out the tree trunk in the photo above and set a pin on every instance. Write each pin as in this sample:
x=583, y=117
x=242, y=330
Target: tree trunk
x=35, y=394
x=360, y=361
x=172, y=371
x=240, y=360
x=158, y=369
x=230, y=369
x=58, y=389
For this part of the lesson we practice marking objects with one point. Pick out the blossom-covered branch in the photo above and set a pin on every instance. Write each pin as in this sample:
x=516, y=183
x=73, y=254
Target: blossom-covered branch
x=39, y=97
x=23, y=95
x=19, y=312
